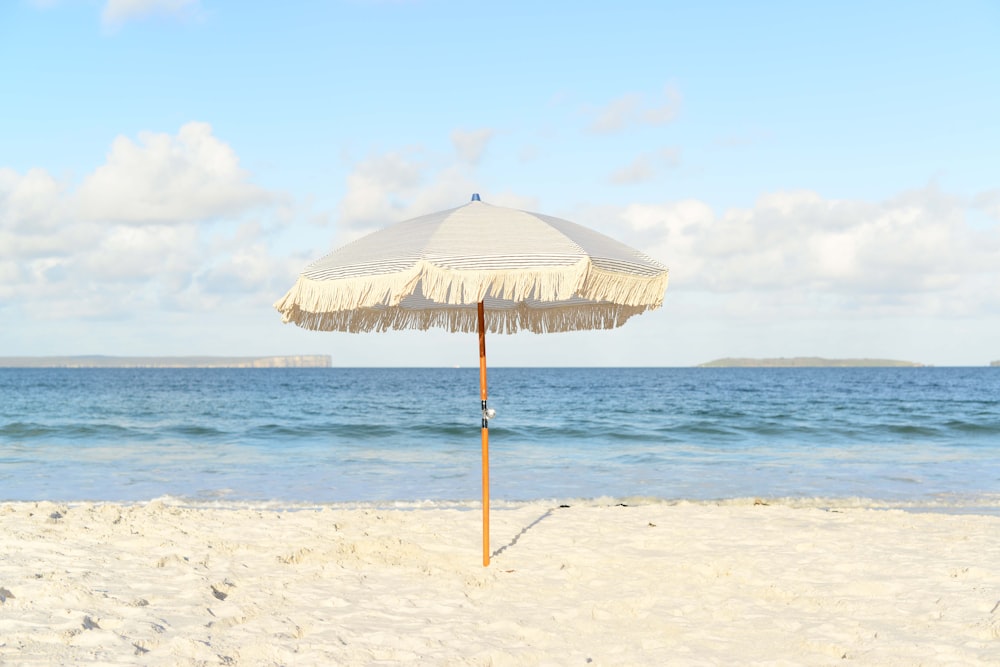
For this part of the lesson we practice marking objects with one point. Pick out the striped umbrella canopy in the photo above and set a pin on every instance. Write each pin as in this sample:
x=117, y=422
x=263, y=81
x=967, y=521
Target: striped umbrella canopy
x=480, y=268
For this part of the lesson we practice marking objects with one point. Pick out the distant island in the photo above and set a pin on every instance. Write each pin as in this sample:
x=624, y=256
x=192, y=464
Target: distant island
x=995, y=363
x=100, y=361
x=805, y=362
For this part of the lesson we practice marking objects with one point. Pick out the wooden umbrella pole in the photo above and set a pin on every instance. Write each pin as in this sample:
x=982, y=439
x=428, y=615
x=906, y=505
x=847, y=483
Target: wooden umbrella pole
x=486, y=436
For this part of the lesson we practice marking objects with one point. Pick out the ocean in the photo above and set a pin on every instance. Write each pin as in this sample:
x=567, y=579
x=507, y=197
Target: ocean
x=908, y=437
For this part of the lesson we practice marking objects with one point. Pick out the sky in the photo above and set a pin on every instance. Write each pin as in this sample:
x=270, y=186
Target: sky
x=822, y=179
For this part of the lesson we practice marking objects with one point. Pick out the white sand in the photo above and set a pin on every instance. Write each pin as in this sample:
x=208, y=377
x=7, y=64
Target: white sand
x=644, y=585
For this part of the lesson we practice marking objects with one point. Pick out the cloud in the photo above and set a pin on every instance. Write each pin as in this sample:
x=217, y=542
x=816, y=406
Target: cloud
x=30, y=201
x=154, y=227
x=633, y=109
x=126, y=252
x=188, y=177
x=989, y=203
x=470, y=145
x=666, y=108
x=911, y=253
x=377, y=187
x=646, y=166
x=386, y=188
x=118, y=12
x=617, y=114
x=390, y=187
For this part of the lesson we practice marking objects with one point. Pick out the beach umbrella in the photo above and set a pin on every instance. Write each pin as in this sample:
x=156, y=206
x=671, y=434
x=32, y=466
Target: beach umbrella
x=477, y=268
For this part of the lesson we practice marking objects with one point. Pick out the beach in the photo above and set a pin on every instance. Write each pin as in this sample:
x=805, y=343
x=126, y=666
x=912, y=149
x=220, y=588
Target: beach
x=737, y=582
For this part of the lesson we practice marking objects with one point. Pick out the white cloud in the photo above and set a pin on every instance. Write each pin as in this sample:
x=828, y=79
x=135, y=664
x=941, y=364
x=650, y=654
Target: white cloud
x=666, y=108
x=147, y=230
x=30, y=201
x=34, y=211
x=673, y=218
x=127, y=252
x=388, y=188
x=616, y=114
x=634, y=109
x=187, y=177
x=117, y=12
x=391, y=187
x=989, y=203
x=913, y=253
x=639, y=171
x=471, y=144
x=249, y=268
x=377, y=187
x=646, y=166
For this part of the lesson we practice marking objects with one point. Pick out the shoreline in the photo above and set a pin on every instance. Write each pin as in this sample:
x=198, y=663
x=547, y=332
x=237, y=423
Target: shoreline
x=987, y=504
x=684, y=583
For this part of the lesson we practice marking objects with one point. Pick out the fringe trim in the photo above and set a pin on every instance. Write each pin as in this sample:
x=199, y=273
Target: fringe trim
x=463, y=319
x=372, y=303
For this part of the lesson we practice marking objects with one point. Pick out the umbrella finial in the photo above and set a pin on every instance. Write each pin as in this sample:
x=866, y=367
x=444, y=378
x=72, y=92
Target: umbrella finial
x=475, y=196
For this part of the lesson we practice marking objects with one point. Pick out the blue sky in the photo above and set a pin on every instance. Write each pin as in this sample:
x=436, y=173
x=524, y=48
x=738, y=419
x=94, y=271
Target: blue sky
x=821, y=178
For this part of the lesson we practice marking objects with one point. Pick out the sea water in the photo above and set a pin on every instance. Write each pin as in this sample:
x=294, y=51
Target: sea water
x=910, y=436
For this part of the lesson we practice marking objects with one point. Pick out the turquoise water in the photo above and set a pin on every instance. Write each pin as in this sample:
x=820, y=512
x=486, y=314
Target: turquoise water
x=906, y=435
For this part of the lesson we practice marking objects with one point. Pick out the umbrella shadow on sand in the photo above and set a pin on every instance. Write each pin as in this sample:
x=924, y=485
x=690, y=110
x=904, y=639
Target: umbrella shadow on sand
x=524, y=530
